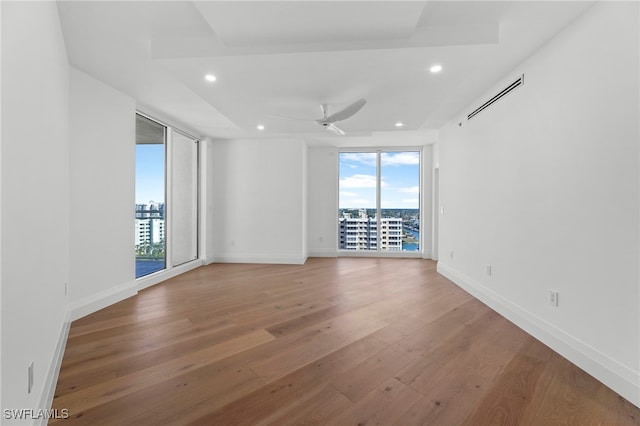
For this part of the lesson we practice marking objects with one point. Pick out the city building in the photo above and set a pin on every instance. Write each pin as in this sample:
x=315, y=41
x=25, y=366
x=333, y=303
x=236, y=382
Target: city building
x=149, y=231
x=361, y=233
x=150, y=210
x=149, y=223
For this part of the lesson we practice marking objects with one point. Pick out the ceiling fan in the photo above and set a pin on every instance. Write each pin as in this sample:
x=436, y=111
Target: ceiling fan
x=329, y=121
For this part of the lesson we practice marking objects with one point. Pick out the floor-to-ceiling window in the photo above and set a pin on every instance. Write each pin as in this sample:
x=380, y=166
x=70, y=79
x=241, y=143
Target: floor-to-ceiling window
x=150, y=223
x=166, y=213
x=379, y=201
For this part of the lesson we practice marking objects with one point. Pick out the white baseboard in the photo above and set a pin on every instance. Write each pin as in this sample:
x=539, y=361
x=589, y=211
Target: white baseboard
x=281, y=259
x=51, y=378
x=90, y=304
x=610, y=372
x=323, y=252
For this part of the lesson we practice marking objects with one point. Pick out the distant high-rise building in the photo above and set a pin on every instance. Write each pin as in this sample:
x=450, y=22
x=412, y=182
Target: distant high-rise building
x=149, y=223
x=151, y=209
x=361, y=233
x=149, y=231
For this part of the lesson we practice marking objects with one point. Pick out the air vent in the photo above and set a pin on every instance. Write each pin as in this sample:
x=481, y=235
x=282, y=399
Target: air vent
x=503, y=92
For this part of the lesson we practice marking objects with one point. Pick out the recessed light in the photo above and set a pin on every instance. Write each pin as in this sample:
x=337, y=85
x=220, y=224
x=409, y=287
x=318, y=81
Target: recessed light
x=260, y=127
x=435, y=68
x=210, y=77
x=399, y=124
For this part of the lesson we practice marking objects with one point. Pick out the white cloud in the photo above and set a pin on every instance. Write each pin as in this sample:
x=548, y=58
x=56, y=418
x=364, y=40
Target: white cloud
x=368, y=158
x=411, y=201
x=358, y=181
x=348, y=194
x=410, y=190
x=400, y=158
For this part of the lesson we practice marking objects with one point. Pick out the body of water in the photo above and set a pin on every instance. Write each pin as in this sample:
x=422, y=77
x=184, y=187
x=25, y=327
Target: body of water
x=411, y=246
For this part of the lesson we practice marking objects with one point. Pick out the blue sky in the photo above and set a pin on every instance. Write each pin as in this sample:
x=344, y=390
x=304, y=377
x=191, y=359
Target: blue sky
x=149, y=173
x=400, y=180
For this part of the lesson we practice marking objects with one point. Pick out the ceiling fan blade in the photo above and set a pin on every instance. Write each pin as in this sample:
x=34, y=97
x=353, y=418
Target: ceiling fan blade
x=347, y=112
x=335, y=129
x=324, y=108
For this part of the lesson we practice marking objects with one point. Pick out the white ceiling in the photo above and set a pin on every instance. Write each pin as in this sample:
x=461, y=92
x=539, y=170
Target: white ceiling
x=286, y=58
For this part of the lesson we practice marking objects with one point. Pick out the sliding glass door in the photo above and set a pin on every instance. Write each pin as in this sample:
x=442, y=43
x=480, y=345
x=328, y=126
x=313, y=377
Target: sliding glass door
x=166, y=213
x=379, y=201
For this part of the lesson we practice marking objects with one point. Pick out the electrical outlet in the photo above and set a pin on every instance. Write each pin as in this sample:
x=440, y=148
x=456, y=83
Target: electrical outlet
x=489, y=270
x=451, y=254
x=553, y=298
x=30, y=377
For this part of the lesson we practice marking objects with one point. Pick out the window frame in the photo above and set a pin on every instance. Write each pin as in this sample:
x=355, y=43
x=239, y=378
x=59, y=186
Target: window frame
x=378, y=252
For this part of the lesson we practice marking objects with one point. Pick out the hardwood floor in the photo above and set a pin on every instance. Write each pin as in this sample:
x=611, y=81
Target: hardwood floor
x=347, y=341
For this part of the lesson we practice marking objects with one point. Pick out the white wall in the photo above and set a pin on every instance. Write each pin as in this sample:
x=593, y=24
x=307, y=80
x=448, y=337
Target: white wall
x=34, y=198
x=322, y=201
x=102, y=176
x=305, y=201
x=543, y=186
x=258, y=196
x=206, y=200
